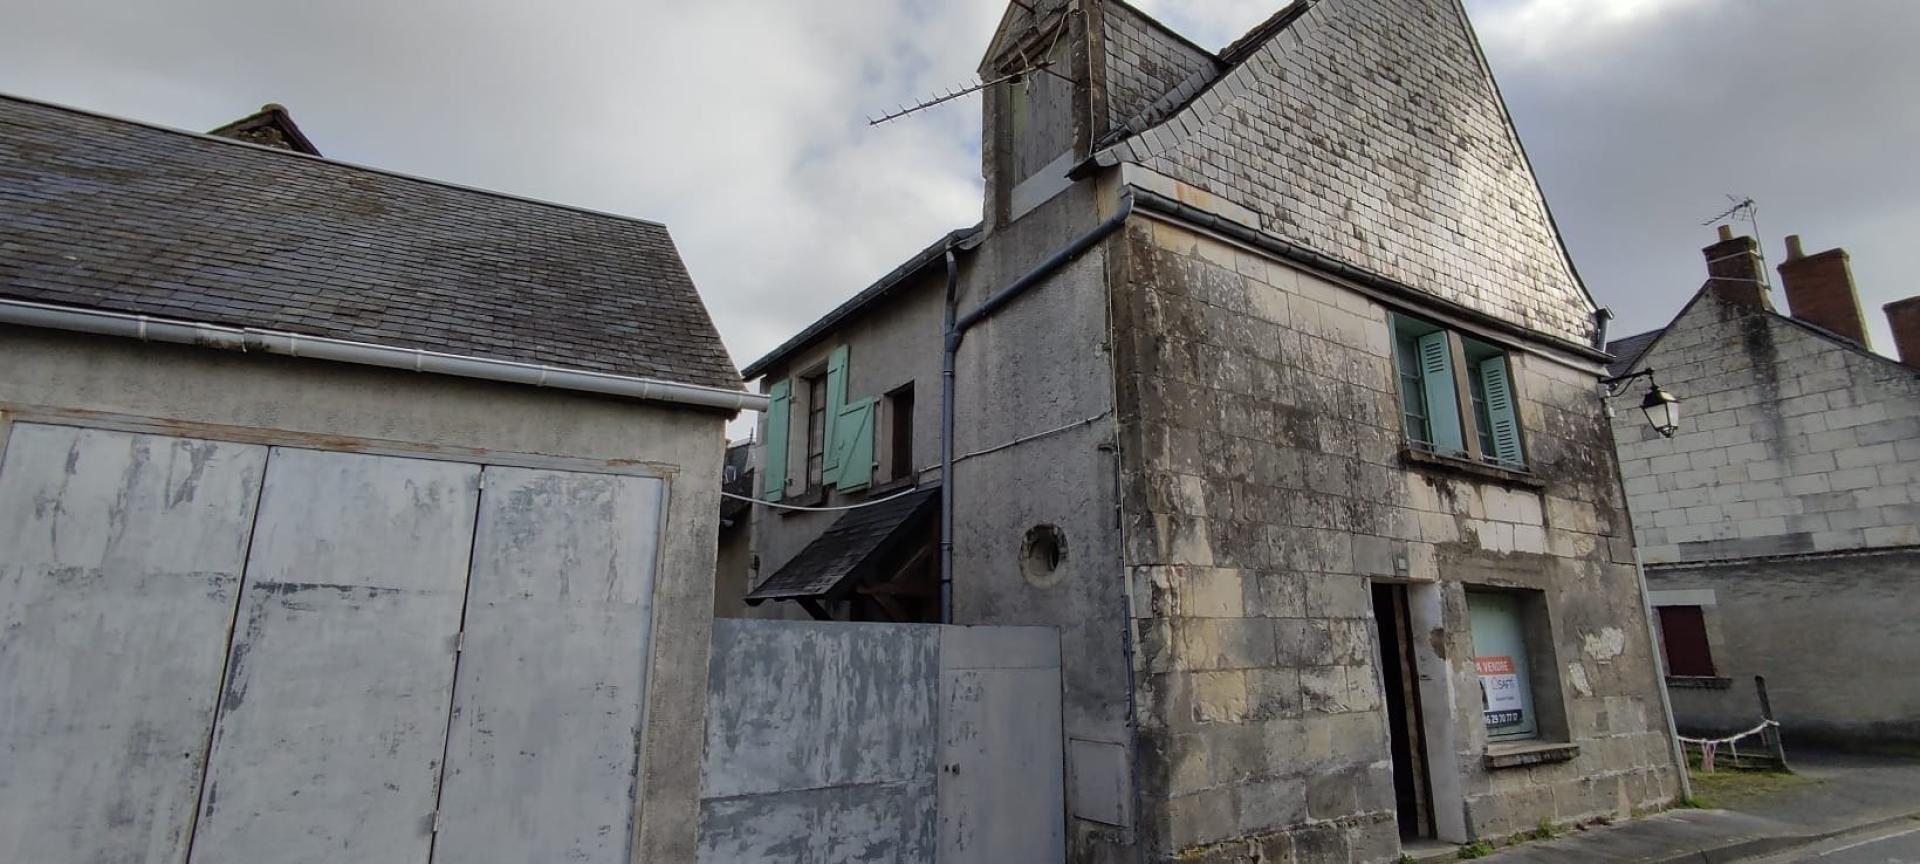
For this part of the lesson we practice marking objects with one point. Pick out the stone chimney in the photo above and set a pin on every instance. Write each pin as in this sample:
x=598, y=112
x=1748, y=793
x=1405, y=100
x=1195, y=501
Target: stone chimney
x=1904, y=317
x=1733, y=270
x=1820, y=290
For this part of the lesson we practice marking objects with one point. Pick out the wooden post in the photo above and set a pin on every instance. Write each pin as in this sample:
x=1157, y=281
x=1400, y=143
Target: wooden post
x=1772, y=733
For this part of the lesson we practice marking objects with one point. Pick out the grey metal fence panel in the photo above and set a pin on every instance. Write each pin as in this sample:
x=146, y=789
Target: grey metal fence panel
x=332, y=721
x=1002, y=793
x=120, y=562
x=542, y=762
x=831, y=743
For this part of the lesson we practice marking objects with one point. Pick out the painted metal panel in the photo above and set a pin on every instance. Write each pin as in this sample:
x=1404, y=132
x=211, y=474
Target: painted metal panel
x=1001, y=790
x=332, y=721
x=542, y=762
x=120, y=562
x=820, y=743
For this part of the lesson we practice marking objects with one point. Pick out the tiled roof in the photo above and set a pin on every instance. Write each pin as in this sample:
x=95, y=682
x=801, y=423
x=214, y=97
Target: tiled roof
x=111, y=214
x=860, y=536
x=1628, y=349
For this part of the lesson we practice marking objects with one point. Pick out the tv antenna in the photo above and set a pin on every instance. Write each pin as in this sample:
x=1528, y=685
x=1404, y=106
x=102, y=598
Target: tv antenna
x=1026, y=70
x=1747, y=210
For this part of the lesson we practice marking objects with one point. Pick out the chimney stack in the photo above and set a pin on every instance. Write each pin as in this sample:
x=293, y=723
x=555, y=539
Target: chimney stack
x=1904, y=317
x=1733, y=270
x=1820, y=290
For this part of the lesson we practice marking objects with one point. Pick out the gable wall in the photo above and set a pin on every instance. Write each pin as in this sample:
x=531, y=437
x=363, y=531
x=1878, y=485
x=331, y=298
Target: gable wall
x=1370, y=131
x=1789, y=443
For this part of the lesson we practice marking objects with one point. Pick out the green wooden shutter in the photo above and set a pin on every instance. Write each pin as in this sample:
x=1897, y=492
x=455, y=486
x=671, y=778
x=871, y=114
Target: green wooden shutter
x=853, y=437
x=1502, y=413
x=836, y=400
x=1443, y=394
x=779, y=414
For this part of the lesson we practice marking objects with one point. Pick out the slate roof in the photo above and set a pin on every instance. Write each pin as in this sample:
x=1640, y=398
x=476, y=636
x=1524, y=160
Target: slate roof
x=871, y=294
x=861, y=536
x=112, y=214
x=1629, y=349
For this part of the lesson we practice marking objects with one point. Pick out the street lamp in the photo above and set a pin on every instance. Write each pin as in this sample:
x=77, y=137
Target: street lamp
x=1662, y=408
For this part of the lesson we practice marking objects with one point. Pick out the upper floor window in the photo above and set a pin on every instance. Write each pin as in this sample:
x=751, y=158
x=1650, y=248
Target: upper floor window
x=816, y=430
x=1440, y=374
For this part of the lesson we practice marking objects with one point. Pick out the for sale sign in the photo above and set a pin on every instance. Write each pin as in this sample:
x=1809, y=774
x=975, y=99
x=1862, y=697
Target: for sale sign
x=1500, y=691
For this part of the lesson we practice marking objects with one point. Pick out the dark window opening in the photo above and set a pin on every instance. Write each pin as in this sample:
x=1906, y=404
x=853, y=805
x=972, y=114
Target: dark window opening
x=816, y=431
x=900, y=435
x=1683, y=641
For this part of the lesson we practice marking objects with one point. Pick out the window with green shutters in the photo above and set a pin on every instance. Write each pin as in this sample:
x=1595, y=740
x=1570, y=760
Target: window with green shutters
x=838, y=434
x=1456, y=394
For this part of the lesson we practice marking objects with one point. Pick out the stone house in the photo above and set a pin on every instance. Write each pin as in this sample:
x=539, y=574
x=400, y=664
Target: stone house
x=1780, y=525
x=1275, y=392
x=344, y=515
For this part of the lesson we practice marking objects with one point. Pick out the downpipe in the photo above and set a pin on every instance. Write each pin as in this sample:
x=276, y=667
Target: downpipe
x=956, y=331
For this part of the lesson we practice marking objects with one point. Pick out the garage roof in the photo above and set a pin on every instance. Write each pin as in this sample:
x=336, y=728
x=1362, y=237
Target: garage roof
x=110, y=214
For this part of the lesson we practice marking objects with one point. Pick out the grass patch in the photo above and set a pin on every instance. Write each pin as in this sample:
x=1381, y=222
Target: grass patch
x=1476, y=849
x=1728, y=787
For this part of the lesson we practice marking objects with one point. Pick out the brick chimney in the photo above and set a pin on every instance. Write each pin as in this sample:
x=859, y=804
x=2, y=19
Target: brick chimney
x=1904, y=317
x=1733, y=270
x=1820, y=290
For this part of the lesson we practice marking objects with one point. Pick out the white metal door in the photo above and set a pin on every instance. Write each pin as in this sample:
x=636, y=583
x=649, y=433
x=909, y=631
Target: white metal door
x=120, y=561
x=543, y=753
x=332, y=721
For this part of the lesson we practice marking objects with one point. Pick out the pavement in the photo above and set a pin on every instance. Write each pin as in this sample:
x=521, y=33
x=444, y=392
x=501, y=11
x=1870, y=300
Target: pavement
x=1854, y=809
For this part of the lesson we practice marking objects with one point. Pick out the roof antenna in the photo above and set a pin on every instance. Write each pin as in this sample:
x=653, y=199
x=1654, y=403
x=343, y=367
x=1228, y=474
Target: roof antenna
x=1745, y=209
x=1027, y=68
x=955, y=93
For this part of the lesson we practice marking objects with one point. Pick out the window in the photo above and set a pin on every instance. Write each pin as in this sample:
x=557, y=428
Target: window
x=1514, y=659
x=1428, y=360
x=1502, y=662
x=1683, y=641
x=900, y=433
x=816, y=431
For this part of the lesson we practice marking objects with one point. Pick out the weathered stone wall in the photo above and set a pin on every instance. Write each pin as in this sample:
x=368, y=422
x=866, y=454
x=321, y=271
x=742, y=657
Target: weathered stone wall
x=1144, y=62
x=1264, y=487
x=1790, y=442
x=1371, y=131
x=1839, y=668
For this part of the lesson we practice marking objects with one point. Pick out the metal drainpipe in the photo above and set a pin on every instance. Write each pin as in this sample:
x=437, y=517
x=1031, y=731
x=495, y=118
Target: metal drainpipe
x=956, y=331
x=1600, y=318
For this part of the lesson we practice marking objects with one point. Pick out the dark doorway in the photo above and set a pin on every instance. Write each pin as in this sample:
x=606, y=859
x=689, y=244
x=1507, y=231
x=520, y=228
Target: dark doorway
x=1400, y=682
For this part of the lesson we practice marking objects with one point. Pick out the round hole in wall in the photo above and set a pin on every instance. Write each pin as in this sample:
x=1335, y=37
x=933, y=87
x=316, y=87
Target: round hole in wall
x=1043, y=556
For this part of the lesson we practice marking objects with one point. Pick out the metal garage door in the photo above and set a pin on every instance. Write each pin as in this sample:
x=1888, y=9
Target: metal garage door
x=248, y=654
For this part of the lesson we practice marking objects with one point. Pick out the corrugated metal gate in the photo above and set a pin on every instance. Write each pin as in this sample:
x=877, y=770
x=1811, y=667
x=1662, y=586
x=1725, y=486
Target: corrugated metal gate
x=221, y=652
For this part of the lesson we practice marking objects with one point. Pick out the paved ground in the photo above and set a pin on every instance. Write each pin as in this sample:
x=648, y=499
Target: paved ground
x=1852, y=809
x=1899, y=844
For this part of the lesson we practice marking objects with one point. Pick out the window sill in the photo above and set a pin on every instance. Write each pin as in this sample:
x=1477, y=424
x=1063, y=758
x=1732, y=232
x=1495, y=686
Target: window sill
x=1699, y=682
x=1455, y=465
x=813, y=497
x=1521, y=754
x=891, y=486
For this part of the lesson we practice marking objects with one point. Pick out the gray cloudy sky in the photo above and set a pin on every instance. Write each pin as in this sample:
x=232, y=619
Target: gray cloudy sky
x=741, y=123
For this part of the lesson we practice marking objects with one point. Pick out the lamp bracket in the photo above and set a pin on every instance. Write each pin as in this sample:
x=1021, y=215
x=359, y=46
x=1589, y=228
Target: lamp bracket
x=1616, y=386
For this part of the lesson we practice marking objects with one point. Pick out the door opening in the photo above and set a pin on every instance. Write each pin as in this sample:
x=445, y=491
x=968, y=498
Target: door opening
x=1400, y=682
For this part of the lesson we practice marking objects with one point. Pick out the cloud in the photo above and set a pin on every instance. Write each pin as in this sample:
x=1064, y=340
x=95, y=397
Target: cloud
x=741, y=123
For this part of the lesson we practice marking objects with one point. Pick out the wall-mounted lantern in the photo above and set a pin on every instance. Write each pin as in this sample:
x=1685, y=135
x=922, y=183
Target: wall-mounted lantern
x=1662, y=408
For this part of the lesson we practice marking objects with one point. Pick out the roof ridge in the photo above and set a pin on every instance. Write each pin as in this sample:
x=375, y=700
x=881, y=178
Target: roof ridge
x=416, y=178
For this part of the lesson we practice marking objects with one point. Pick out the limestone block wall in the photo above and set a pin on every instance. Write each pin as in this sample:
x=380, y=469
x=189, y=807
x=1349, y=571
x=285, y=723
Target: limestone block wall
x=1790, y=442
x=1264, y=489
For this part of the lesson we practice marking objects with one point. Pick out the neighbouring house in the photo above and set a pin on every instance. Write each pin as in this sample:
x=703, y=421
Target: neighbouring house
x=1275, y=392
x=1780, y=525
x=344, y=515
x=735, y=559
